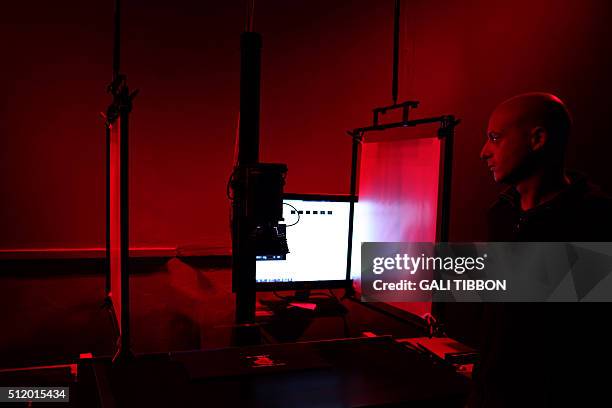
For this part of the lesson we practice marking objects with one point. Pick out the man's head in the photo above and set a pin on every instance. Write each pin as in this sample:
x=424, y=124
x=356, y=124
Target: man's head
x=526, y=133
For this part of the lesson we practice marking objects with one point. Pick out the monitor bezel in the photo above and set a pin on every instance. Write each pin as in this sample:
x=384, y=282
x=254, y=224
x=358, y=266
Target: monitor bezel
x=310, y=285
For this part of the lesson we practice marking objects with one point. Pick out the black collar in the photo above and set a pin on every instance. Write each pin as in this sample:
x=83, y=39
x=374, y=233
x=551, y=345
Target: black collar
x=577, y=187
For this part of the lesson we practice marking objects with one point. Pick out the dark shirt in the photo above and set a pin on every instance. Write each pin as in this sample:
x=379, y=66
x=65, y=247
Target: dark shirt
x=545, y=354
x=579, y=213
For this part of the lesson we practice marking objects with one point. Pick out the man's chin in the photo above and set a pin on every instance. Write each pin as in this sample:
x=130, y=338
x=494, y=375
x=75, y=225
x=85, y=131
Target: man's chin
x=509, y=179
x=500, y=178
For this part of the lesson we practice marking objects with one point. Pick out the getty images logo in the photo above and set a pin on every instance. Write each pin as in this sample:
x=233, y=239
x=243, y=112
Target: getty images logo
x=412, y=264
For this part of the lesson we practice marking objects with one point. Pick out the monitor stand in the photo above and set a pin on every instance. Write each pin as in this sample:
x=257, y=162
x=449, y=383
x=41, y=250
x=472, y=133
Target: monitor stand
x=305, y=304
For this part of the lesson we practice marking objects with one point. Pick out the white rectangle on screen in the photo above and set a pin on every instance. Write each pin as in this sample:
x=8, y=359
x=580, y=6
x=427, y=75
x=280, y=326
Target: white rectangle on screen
x=318, y=243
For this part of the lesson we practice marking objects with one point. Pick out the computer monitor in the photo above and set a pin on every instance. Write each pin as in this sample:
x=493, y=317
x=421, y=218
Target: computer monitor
x=317, y=237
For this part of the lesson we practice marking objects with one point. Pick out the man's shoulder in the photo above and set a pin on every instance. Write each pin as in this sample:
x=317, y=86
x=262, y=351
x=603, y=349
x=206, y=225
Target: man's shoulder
x=581, y=212
x=597, y=199
x=592, y=200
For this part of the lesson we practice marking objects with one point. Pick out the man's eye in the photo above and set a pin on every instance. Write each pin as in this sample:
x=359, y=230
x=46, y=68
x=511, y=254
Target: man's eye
x=494, y=137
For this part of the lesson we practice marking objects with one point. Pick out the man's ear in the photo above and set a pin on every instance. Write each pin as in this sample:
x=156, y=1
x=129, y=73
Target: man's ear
x=538, y=139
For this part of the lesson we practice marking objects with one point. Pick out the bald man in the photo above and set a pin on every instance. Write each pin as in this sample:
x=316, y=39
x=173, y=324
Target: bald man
x=534, y=355
x=526, y=140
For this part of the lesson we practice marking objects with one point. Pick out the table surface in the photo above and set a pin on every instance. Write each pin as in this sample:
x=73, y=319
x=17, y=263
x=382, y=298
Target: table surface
x=375, y=371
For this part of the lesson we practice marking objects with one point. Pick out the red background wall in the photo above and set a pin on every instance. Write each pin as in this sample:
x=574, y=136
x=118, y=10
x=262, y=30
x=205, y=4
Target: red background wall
x=325, y=65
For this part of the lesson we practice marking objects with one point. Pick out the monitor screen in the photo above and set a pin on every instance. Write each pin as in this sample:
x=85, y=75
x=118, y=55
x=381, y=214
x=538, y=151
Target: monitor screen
x=317, y=237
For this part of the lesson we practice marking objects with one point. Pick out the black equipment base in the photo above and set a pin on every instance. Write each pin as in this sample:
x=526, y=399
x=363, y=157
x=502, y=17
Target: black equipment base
x=364, y=372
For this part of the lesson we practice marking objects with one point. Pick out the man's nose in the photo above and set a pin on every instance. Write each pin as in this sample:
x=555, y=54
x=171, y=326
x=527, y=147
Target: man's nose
x=485, y=153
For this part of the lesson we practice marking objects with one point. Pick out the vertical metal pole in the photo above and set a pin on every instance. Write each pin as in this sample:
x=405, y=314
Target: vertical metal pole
x=107, y=263
x=250, y=72
x=396, y=41
x=243, y=253
x=446, y=175
x=124, y=214
x=118, y=115
x=353, y=197
x=117, y=40
x=439, y=309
